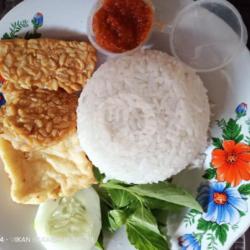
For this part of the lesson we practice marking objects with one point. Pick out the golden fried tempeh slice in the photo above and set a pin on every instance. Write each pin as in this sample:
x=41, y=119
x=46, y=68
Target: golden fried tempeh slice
x=37, y=118
x=47, y=63
x=60, y=170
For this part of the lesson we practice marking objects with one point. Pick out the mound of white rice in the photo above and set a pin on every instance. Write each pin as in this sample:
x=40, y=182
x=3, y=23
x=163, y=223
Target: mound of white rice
x=143, y=117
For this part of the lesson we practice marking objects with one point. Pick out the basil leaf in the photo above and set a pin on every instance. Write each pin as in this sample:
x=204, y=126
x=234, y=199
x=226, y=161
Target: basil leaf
x=104, y=195
x=105, y=211
x=98, y=175
x=161, y=217
x=162, y=205
x=117, y=218
x=99, y=243
x=143, y=232
x=121, y=198
x=99, y=246
x=120, y=194
x=167, y=192
x=115, y=184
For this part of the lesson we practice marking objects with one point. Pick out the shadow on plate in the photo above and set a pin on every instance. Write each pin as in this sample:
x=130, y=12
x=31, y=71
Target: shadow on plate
x=59, y=33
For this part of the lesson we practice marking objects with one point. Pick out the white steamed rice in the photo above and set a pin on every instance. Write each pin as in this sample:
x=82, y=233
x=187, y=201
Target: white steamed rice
x=143, y=117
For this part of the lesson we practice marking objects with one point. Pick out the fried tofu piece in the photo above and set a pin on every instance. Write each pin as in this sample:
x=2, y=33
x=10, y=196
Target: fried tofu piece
x=58, y=171
x=37, y=118
x=47, y=63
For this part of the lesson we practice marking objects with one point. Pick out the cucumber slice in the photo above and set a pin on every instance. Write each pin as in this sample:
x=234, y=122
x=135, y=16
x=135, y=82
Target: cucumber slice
x=70, y=223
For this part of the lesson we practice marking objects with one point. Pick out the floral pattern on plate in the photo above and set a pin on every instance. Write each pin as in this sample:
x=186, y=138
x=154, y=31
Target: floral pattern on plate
x=224, y=193
x=189, y=241
x=18, y=26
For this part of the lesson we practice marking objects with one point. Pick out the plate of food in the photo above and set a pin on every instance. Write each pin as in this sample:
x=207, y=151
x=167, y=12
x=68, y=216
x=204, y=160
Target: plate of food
x=109, y=142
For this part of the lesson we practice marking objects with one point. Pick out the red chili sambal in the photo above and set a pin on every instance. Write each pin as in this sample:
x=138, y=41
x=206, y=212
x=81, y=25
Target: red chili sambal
x=122, y=25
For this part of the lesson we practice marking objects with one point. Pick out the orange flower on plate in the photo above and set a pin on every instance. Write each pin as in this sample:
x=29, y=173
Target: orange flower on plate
x=232, y=162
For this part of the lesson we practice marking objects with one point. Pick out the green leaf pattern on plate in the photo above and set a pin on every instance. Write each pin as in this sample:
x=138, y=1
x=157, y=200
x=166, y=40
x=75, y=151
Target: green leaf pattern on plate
x=17, y=27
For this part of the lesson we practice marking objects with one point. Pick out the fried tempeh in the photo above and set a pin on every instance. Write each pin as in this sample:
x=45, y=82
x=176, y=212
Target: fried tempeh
x=37, y=118
x=47, y=63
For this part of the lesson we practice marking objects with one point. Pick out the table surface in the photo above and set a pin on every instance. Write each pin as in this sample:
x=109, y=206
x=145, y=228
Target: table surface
x=244, y=8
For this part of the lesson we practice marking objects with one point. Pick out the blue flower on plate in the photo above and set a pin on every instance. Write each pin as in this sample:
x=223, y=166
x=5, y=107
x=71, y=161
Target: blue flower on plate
x=241, y=110
x=189, y=242
x=37, y=20
x=222, y=204
x=2, y=100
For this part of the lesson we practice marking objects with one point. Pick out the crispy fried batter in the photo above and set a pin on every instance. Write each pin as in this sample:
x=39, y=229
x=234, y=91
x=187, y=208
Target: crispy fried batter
x=37, y=118
x=47, y=63
x=60, y=170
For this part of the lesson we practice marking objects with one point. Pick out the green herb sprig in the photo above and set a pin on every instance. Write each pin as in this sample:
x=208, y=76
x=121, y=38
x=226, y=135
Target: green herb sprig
x=141, y=208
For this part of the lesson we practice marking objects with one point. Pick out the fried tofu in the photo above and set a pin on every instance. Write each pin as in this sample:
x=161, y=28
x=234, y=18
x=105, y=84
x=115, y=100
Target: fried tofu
x=58, y=171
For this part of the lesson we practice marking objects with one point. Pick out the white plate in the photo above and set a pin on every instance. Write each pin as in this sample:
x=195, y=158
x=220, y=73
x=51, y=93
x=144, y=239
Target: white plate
x=227, y=88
